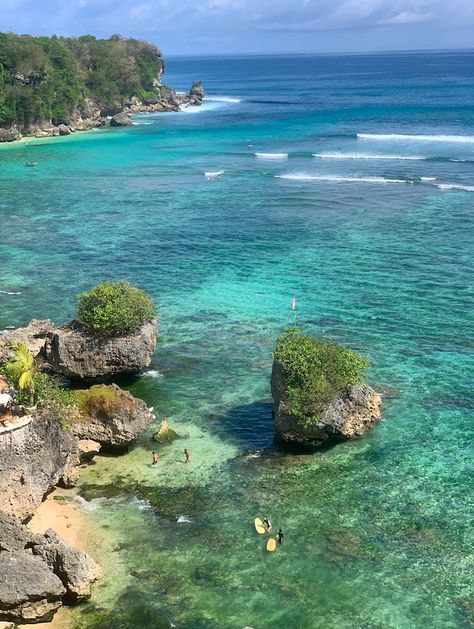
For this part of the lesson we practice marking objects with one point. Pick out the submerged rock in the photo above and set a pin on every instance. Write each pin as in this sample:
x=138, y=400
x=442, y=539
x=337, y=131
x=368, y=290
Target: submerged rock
x=165, y=433
x=110, y=416
x=347, y=417
x=73, y=351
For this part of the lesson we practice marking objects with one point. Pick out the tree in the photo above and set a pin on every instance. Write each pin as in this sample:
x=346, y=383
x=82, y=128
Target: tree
x=21, y=369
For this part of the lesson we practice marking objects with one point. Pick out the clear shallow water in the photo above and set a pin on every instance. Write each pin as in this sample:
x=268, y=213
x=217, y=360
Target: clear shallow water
x=378, y=532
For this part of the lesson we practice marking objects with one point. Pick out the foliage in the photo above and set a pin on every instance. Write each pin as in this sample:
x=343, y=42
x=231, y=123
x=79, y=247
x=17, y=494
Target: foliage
x=21, y=370
x=114, y=308
x=36, y=387
x=316, y=371
x=100, y=399
x=46, y=79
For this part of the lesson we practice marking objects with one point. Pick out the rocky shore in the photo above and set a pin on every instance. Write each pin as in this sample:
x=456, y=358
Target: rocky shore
x=90, y=115
x=39, y=572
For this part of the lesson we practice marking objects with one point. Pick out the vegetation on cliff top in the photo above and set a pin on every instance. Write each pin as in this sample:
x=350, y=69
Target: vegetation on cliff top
x=49, y=78
x=316, y=371
x=114, y=308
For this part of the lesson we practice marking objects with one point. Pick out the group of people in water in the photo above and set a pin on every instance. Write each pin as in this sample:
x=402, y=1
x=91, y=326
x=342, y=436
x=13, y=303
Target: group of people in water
x=268, y=525
x=155, y=457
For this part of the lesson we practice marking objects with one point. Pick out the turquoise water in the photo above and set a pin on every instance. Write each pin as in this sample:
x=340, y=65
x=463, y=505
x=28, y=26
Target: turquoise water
x=374, y=237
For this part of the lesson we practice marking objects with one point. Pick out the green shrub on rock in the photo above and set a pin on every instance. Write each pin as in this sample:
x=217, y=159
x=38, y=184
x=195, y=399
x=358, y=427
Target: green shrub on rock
x=114, y=308
x=315, y=372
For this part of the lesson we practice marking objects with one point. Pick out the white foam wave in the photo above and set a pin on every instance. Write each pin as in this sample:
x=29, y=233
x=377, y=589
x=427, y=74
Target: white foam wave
x=271, y=155
x=455, y=186
x=141, y=123
x=10, y=292
x=92, y=505
x=222, y=99
x=428, y=178
x=418, y=138
x=183, y=519
x=365, y=156
x=340, y=179
x=141, y=504
x=152, y=373
x=213, y=174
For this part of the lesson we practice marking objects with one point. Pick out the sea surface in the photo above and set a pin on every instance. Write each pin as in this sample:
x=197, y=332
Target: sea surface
x=348, y=183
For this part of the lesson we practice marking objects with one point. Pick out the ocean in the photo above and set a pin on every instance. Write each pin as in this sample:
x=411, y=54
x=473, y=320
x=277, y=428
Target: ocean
x=347, y=181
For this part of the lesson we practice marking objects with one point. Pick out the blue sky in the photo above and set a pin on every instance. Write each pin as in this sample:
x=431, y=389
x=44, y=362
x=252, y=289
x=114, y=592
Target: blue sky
x=246, y=26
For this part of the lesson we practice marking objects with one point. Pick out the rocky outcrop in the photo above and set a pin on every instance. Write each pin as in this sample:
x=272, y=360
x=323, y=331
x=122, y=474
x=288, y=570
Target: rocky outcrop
x=165, y=433
x=121, y=119
x=347, y=417
x=76, y=569
x=33, y=335
x=110, y=416
x=34, y=458
x=39, y=572
x=72, y=351
x=9, y=135
x=196, y=94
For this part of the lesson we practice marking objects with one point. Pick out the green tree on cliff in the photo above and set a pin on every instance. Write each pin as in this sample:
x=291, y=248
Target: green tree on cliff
x=21, y=369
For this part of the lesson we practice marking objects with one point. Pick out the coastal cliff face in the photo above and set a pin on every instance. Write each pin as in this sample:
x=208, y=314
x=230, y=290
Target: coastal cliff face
x=56, y=86
x=348, y=417
x=35, y=456
x=71, y=351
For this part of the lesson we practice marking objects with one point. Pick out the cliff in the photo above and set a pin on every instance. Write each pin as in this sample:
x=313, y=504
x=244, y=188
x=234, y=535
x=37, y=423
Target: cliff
x=57, y=85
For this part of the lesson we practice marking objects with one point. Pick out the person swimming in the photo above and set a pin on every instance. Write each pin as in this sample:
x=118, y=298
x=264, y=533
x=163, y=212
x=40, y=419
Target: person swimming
x=280, y=536
x=267, y=523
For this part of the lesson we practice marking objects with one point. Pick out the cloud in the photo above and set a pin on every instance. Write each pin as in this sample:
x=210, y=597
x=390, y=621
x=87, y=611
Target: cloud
x=405, y=17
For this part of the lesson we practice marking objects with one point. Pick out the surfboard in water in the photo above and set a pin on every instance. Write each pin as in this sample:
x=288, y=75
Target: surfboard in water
x=259, y=526
x=271, y=544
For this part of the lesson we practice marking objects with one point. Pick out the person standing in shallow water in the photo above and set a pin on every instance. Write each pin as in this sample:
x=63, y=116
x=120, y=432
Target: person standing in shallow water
x=186, y=454
x=155, y=458
x=280, y=536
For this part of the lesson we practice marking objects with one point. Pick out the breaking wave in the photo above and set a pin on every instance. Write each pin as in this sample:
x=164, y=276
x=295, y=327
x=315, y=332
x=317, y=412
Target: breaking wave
x=365, y=156
x=454, y=186
x=340, y=179
x=271, y=155
x=10, y=292
x=418, y=138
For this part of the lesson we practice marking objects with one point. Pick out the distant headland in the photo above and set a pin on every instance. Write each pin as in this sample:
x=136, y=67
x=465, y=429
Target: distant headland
x=52, y=86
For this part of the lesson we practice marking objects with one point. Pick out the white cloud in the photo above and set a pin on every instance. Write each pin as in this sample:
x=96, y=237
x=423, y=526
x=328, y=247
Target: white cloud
x=405, y=17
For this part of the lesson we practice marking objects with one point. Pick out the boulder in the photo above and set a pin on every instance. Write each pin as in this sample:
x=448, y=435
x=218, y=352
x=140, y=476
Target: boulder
x=29, y=591
x=63, y=129
x=196, y=93
x=87, y=449
x=9, y=135
x=13, y=535
x=121, y=120
x=33, y=335
x=347, y=417
x=72, y=351
x=165, y=433
x=76, y=569
x=110, y=416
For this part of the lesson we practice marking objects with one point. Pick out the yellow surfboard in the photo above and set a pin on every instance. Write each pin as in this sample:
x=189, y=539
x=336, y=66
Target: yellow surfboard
x=271, y=544
x=259, y=526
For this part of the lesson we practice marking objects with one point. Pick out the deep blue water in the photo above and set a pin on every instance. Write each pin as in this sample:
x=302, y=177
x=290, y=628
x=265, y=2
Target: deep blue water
x=374, y=237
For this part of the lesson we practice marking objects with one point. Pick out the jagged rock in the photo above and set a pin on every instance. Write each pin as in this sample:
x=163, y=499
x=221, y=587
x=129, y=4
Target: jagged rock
x=76, y=569
x=33, y=335
x=109, y=415
x=88, y=448
x=9, y=135
x=121, y=120
x=196, y=93
x=165, y=433
x=29, y=591
x=72, y=351
x=13, y=535
x=33, y=459
x=63, y=129
x=348, y=417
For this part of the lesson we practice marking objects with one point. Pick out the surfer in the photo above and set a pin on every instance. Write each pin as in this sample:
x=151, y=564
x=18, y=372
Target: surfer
x=186, y=454
x=267, y=523
x=280, y=536
x=155, y=458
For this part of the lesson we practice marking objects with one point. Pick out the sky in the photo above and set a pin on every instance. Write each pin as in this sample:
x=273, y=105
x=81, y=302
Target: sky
x=253, y=26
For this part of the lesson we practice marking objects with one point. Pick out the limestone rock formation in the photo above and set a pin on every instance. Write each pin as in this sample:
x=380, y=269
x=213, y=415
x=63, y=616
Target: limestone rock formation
x=33, y=335
x=347, y=417
x=165, y=433
x=73, y=352
x=121, y=119
x=39, y=572
x=196, y=93
x=33, y=459
x=76, y=569
x=110, y=416
x=29, y=591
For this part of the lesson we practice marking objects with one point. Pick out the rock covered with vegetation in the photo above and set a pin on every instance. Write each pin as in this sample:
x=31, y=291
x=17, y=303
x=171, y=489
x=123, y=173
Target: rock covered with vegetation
x=115, y=332
x=165, y=434
x=110, y=416
x=39, y=572
x=318, y=391
x=55, y=85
